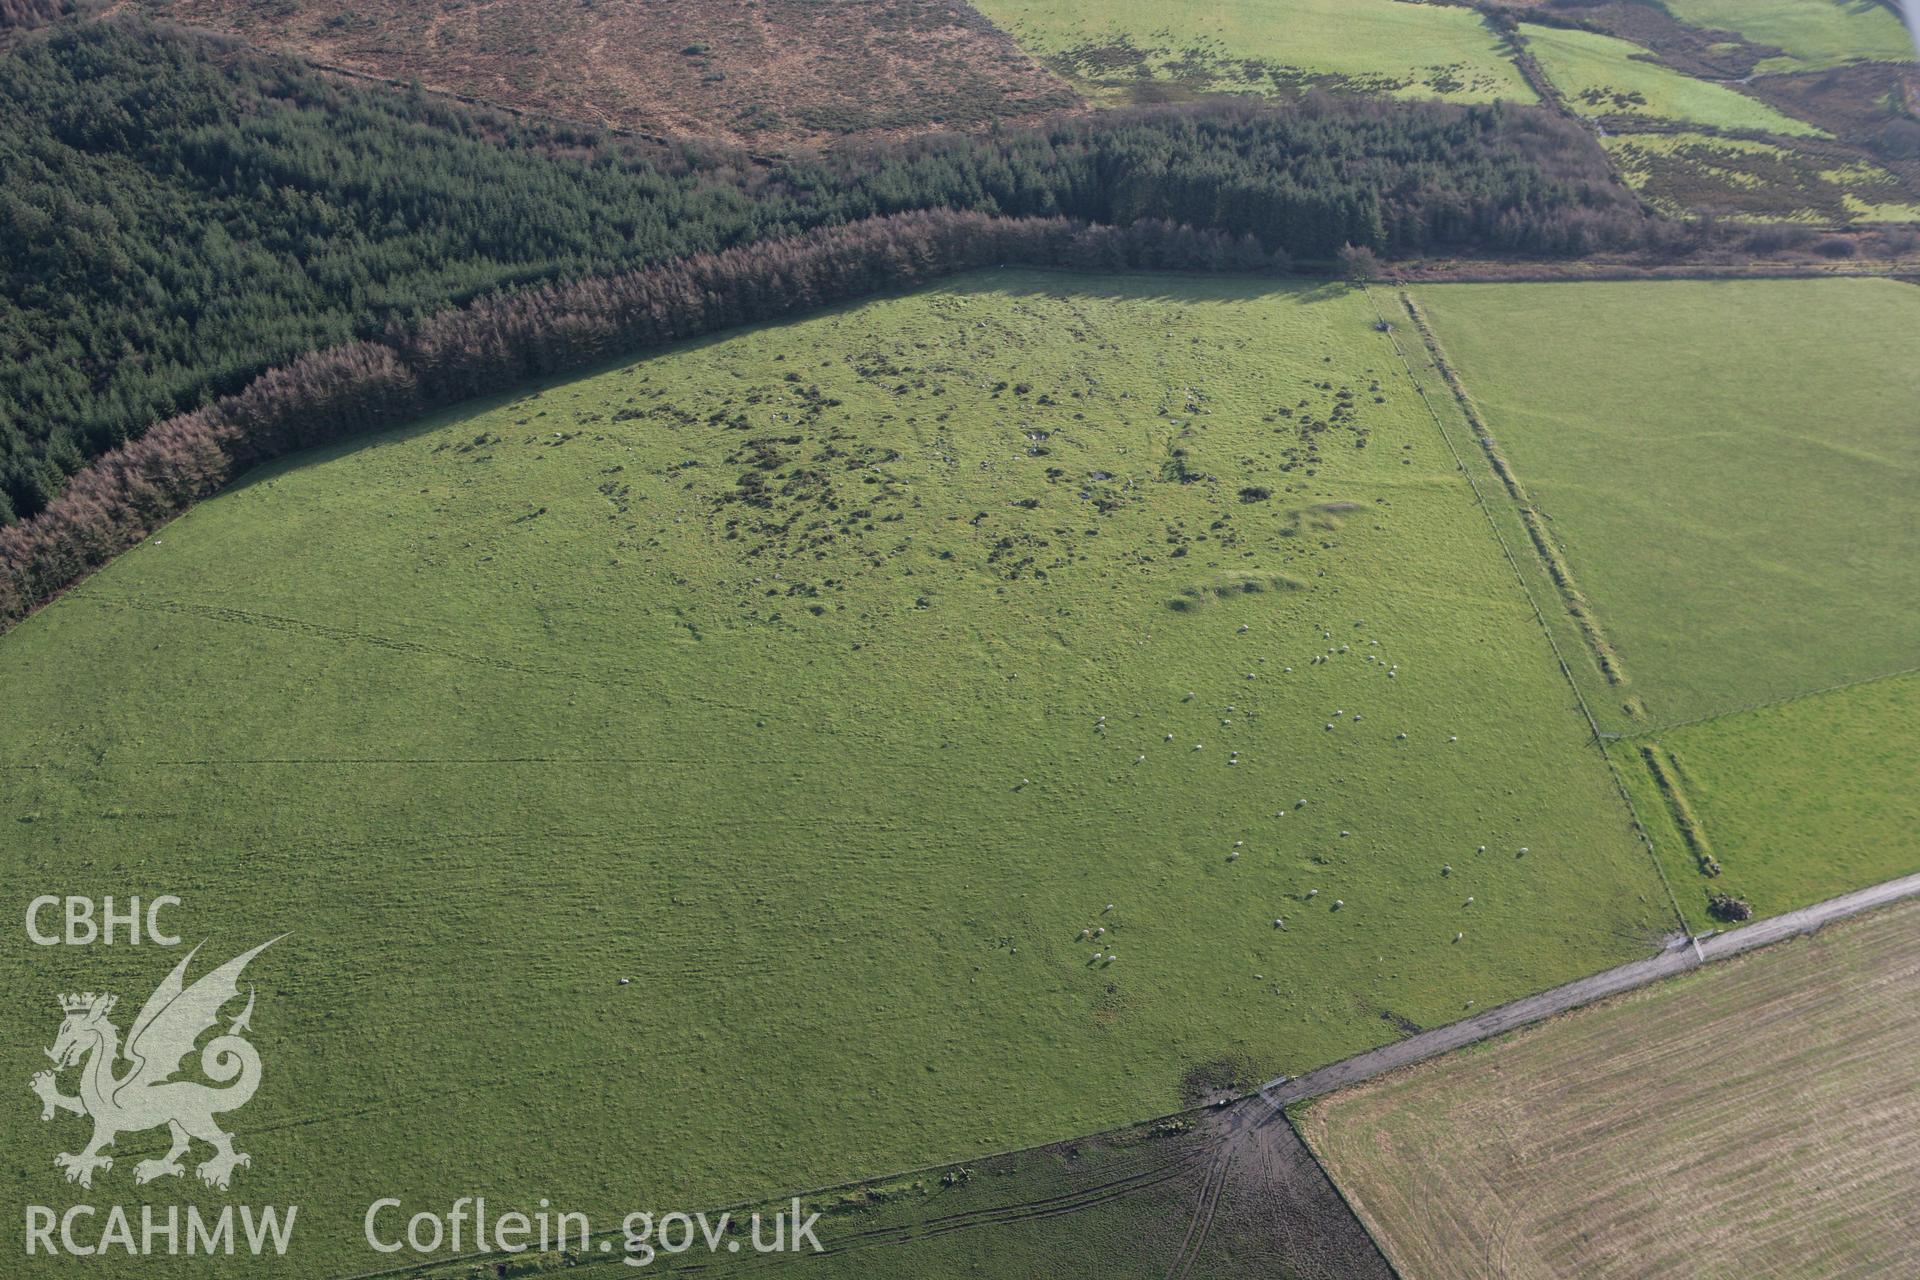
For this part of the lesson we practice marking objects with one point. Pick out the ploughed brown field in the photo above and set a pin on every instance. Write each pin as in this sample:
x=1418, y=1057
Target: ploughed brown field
x=1752, y=1119
x=758, y=72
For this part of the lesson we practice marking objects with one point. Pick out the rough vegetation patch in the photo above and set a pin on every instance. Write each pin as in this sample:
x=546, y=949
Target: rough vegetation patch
x=768, y=73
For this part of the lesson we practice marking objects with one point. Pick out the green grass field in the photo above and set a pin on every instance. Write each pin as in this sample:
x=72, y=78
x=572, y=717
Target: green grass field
x=1138, y=50
x=1604, y=76
x=1724, y=466
x=1798, y=802
x=1814, y=33
x=770, y=674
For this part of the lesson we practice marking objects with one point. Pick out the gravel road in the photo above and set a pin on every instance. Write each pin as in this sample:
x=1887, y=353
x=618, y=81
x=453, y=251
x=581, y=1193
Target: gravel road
x=1682, y=954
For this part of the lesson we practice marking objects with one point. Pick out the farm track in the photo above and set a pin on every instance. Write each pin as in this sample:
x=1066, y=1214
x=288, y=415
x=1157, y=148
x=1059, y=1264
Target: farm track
x=321, y=631
x=1204, y=1210
x=1681, y=957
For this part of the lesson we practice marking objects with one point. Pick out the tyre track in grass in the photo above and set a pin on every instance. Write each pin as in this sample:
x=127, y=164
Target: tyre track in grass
x=996, y=1216
x=1204, y=1209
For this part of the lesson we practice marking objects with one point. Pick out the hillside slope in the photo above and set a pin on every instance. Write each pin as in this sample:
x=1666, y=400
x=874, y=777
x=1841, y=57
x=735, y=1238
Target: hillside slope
x=832, y=682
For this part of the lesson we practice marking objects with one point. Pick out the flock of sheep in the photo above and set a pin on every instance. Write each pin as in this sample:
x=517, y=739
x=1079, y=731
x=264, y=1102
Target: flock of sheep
x=1098, y=934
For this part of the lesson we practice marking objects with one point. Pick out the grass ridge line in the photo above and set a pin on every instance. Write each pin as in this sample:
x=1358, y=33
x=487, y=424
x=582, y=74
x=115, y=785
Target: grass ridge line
x=1613, y=770
x=1781, y=701
x=1666, y=776
x=1545, y=546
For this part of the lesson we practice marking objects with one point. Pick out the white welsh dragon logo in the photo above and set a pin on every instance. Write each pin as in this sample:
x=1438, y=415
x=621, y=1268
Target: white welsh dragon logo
x=146, y=1095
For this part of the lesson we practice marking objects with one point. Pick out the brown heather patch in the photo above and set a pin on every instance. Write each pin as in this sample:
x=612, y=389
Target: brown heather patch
x=758, y=72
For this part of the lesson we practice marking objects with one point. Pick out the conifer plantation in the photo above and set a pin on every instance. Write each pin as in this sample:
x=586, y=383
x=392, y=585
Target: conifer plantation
x=178, y=215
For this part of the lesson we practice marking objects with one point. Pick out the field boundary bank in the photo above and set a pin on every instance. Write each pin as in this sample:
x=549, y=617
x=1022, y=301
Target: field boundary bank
x=1286, y=1117
x=1653, y=731
x=1552, y=558
x=1666, y=778
x=1487, y=271
x=1613, y=769
x=1282, y=1092
x=341, y=393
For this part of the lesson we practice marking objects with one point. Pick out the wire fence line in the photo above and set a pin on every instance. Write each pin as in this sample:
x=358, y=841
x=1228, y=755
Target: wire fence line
x=1580, y=698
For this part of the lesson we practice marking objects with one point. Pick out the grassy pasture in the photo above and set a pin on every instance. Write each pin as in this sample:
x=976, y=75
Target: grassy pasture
x=1814, y=33
x=1754, y=1118
x=1682, y=173
x=1725, y=466
x=1134, y=50
x=1799, y=801
x=769, y=673
x=1603, y=76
